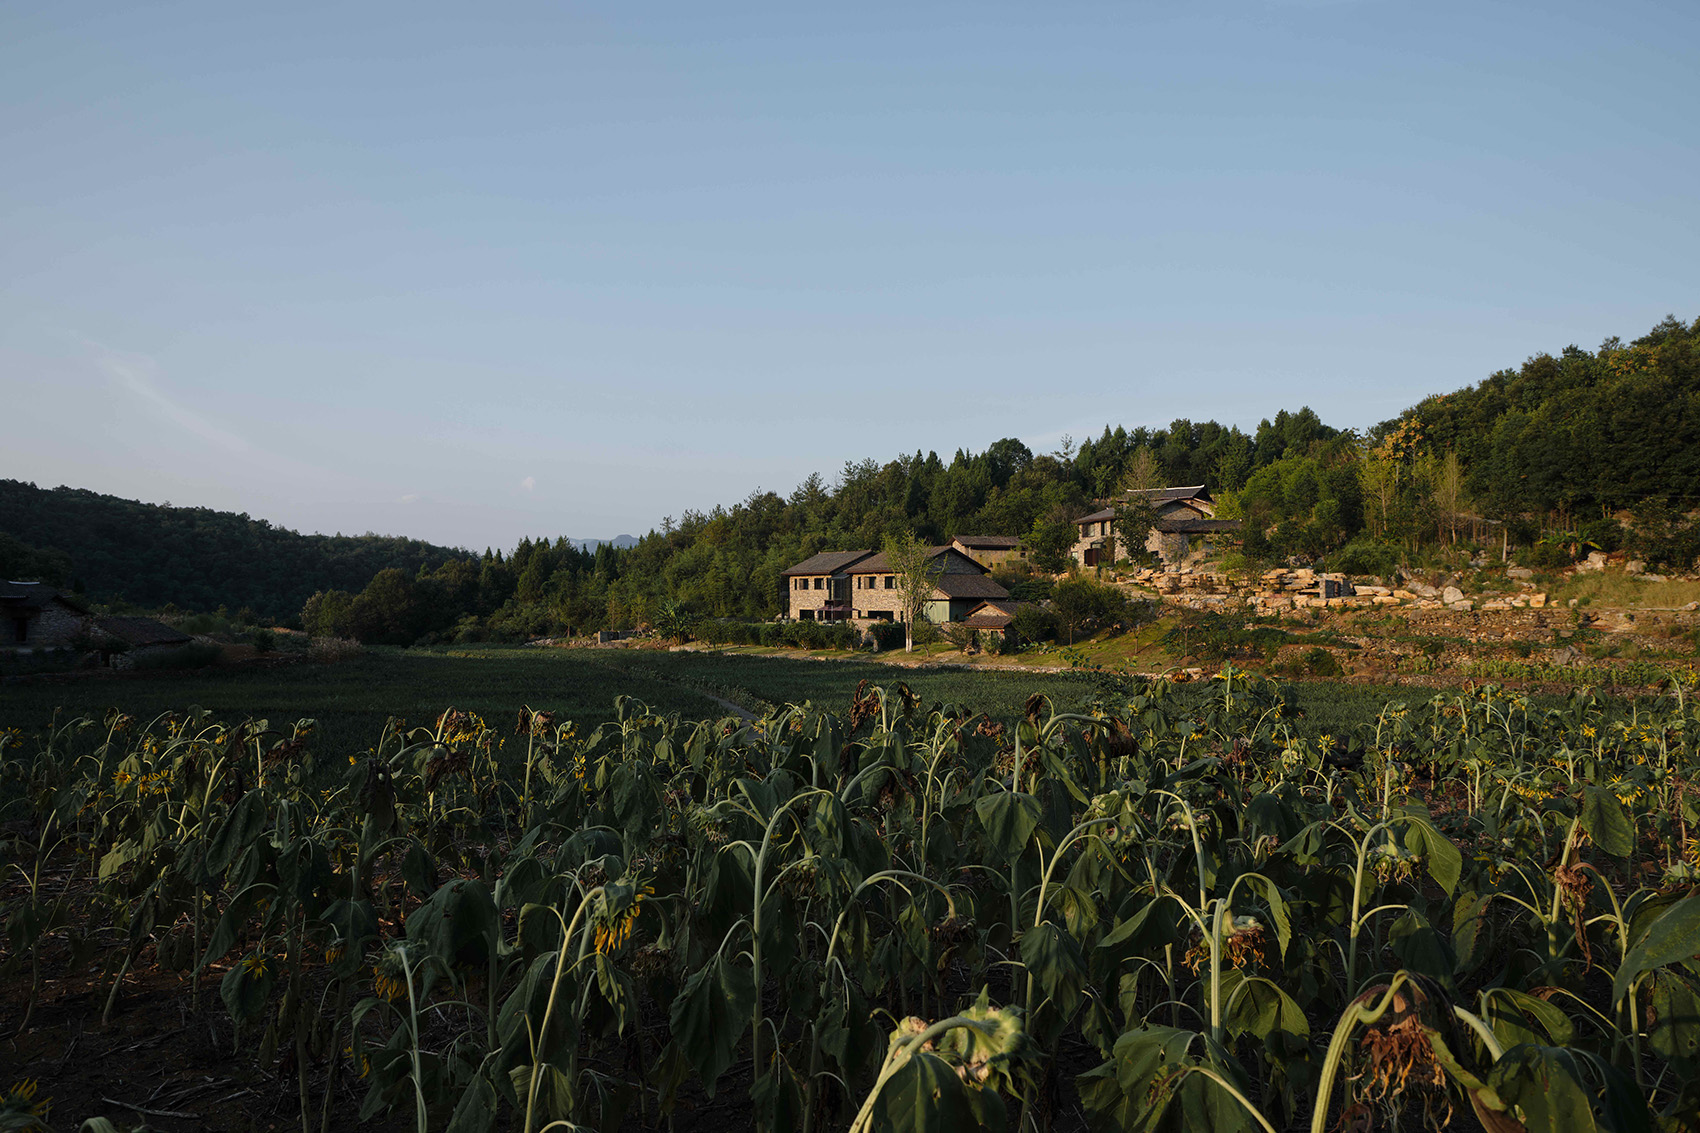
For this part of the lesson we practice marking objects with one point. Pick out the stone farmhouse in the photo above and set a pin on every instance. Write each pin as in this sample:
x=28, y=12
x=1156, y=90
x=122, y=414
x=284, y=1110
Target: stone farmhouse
x=122, y=640
x=1181, y=514
x=36, y=617
x=862, y=588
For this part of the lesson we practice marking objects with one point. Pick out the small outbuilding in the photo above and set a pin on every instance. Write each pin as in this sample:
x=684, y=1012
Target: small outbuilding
x=122, y=640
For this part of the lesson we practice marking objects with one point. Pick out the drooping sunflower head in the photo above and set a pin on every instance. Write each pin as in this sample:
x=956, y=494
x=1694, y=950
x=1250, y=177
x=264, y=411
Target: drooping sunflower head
x=389, y=977
x=21, y=1108
x=618, y=913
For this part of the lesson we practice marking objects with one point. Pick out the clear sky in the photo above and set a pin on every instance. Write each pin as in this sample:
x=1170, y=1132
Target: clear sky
x=472, y=272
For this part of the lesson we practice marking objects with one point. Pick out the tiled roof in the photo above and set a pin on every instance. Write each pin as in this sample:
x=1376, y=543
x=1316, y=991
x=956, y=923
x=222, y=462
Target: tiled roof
x=968, y=586
x=827, y=562
x=140, y=631
x=1157, y=497
x=989, y=542
x=991, y=615
x=1098, y=516
x=879, y=564
x=34, y=595
x=1196, y=526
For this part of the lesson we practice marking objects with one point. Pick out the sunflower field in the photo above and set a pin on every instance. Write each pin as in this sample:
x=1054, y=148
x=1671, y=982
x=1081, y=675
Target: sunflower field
x=1148, y=914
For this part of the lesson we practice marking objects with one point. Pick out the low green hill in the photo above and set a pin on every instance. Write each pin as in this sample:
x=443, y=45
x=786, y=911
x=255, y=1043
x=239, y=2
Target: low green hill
x=196, y=558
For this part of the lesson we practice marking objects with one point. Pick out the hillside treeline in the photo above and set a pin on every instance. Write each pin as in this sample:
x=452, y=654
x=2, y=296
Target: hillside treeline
x=726, y=563
x=1568, y=453
x=152, y=555
x=1540, y=459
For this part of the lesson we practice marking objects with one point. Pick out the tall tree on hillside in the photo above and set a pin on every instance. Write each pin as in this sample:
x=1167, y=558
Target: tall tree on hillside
x=1446, y=489
x=912, y=563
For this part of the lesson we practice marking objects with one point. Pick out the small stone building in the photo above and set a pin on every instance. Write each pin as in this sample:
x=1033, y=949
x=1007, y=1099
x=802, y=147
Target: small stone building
x=122, y=640
x=1182, y=513
x=994, y=621
x=35, y=616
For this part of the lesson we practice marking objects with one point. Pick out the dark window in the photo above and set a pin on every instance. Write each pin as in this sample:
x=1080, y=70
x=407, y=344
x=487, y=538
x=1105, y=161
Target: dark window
x=891, y=582
x=20, y=630
x=820, y=583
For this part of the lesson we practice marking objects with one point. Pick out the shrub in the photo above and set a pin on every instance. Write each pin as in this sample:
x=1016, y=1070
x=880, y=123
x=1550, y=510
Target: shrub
x=1601, y=534
x=886, y=635
x=1365, y=557
x=1032, y=589
x=1319, y=662
x=1034, y=623
x=334, y=649
x=1082, y=604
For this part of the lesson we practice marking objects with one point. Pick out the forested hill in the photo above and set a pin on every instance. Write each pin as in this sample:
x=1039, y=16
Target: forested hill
x=1544, y=448
x=1613, y=428
x=195, y=558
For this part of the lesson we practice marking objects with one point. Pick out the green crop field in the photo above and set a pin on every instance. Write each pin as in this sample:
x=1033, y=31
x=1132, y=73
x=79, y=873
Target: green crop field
x=351, y=700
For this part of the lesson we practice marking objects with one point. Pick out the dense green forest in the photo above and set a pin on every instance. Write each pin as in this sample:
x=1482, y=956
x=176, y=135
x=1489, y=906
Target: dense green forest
x=1548, y=458
x=151, y=555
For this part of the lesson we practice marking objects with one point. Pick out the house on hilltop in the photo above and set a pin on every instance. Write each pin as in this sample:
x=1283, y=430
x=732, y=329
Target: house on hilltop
x=862, y=587
x=1192, y=502
x=1182, y=513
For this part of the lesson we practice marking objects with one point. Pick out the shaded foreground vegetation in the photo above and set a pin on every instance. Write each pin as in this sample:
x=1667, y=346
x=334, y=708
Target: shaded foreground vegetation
x=1165, y=909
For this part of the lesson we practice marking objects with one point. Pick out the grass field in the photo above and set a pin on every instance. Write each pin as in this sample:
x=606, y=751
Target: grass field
x=351, y=700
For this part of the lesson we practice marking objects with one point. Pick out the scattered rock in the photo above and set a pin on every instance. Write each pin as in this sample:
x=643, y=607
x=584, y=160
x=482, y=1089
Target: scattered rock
x=1634, y=566
x=1522, y=574
x=1451, y=595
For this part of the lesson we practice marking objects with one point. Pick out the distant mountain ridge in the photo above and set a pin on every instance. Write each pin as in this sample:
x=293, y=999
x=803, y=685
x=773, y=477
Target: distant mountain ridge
x=195, y=558
x=621, y=542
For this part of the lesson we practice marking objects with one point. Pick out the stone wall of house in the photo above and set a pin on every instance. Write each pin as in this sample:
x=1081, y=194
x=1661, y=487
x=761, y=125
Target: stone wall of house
x=869, y=595
x=54, y=626
x=1153, y=543
x=815, y=597
x=993, y=557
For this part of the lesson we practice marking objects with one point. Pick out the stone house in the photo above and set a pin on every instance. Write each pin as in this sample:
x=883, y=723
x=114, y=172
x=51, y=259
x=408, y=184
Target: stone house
x=34, y=615
x=1182, y=513
x=993, y=620
x=1193, y=502
x=818, y=588
x=122, y=640
x=861, y=587
x=960, y=584
x=991, y=551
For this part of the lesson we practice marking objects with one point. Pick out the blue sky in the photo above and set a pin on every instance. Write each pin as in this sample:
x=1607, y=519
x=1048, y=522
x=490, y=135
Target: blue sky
x=472, y=274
